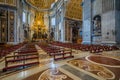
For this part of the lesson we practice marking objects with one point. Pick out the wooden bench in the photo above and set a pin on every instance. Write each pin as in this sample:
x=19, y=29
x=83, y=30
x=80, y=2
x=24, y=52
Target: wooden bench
x=17, y=66
x=17, y=61
x=64, y=54
x=57, y=52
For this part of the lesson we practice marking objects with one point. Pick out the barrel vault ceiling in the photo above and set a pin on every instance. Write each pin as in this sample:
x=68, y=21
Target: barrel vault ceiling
x=73, y=8
x=42, y=4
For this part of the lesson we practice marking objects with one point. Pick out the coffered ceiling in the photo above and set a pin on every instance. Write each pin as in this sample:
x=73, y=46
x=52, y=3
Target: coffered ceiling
x=41, y=4
x=74, y=9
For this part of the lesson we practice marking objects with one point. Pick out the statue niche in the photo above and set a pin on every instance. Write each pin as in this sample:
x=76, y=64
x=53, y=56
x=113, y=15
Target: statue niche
x=97, y=25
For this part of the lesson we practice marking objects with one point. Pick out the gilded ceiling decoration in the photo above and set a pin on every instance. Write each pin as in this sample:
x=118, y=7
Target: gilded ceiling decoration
x=41, y=4
x=10, y=2
x=74, y=9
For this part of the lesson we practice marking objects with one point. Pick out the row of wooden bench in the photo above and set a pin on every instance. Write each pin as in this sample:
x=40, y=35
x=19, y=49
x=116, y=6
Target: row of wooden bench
x=82, y=47
x=57, y=52
x=6, y=50
x=25, y=56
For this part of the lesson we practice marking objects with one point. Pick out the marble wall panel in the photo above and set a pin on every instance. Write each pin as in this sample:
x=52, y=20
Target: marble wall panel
x=97, y=7
x=108, y=27
x=87, y=31
x=117, y=31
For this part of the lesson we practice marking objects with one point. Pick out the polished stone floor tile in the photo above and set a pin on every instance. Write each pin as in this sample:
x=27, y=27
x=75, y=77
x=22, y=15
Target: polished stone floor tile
x=78, y=73
x=84, y=66
x=103, y=68
x=49, y=74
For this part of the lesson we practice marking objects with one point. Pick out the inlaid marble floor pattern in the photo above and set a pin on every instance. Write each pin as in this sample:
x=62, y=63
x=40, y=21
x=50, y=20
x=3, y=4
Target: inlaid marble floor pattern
x=68, y=71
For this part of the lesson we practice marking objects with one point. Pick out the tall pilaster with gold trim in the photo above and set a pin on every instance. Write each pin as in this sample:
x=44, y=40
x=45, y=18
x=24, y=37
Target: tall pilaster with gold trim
x=11, y=26
x=7, y=21
x=3, y=25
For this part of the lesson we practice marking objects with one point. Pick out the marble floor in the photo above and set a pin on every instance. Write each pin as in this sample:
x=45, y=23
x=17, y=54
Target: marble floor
x=84, y=66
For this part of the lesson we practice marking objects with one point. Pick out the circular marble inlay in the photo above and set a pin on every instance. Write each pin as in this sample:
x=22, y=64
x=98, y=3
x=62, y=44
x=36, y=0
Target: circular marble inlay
x=103, y=60
x=52, y=74
x=98, y=70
